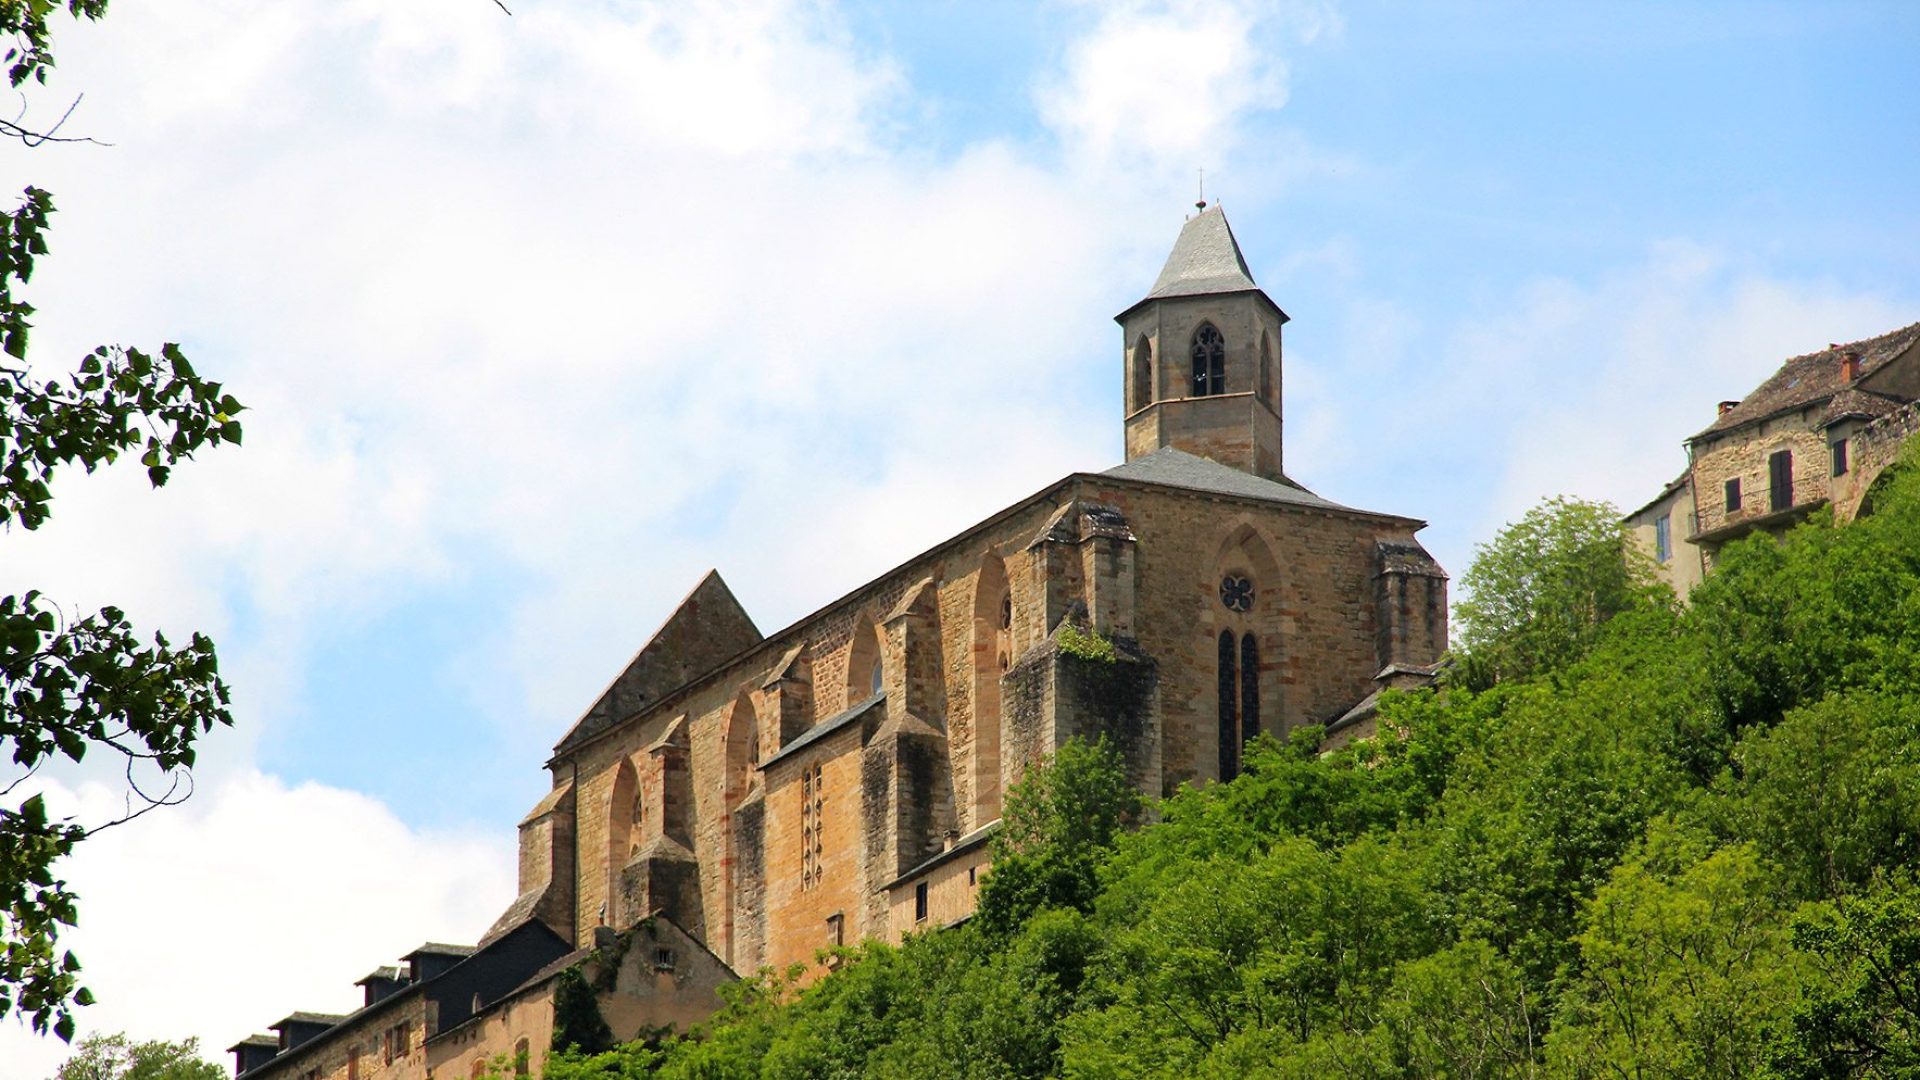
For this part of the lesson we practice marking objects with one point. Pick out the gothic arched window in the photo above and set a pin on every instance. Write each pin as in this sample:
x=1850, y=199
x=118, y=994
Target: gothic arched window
x=1229, y=700
x=1209, y=361
x=1142, y=374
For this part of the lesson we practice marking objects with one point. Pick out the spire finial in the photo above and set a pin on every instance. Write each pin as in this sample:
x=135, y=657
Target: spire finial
x=1202, y=204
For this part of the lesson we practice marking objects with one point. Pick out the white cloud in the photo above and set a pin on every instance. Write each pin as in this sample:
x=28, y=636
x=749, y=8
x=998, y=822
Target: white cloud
x=254, y=898
x=1166, y=84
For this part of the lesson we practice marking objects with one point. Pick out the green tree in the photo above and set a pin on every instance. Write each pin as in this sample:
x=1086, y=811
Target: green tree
x=1687, y=968
x=116, y=1057
x=1539, y=592
x=1058, y=824
x=87, y=682
x=1862, y=1018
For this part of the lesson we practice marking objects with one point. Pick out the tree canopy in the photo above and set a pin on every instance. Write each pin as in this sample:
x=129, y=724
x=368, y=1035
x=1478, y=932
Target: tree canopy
x=1539, y=592
x=71, y=684
x=116, y=1057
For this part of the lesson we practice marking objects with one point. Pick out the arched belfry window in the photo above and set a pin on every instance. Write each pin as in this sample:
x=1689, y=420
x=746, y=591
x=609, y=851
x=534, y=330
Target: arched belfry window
x=1209, y=361
x=1142, y=375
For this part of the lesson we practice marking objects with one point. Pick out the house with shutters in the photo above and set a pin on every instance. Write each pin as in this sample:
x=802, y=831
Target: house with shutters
x=1815, y=434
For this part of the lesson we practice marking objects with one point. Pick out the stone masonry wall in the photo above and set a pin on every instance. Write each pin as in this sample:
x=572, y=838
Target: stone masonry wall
x=1744, y=455
x=1871, y=450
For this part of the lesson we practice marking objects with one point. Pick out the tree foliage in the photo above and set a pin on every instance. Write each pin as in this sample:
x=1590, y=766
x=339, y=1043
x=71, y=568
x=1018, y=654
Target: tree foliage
x=1660, y=851
x=1538, y=594
x=71, y=684
x=116, y=1057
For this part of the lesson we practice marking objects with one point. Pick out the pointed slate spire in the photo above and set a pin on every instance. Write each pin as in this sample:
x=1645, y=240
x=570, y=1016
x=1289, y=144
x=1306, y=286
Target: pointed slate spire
x=1205, y=259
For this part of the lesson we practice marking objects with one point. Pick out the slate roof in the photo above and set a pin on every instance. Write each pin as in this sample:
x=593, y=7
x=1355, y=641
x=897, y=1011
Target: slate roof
x=825, y=728
x=328, y=1019
x=1177, y=468
x=1205, y=259
x=1814, y=378
x=436, y=948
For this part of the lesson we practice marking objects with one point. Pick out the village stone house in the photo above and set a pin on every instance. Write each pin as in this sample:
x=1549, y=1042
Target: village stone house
x=752, y=799
x=1816, y=434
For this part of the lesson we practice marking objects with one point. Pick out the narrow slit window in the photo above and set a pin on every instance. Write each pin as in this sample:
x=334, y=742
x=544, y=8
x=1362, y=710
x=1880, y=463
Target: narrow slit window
x=1840, y=457
x=1229, y=694
x=1733, y=495
x=1249, y=689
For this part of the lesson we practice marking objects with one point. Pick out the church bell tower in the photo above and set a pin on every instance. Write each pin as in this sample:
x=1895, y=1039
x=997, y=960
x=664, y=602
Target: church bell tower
x=1202, y=360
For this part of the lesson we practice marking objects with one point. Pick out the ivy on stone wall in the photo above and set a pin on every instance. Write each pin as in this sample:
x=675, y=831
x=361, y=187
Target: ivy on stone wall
x=577, y=1024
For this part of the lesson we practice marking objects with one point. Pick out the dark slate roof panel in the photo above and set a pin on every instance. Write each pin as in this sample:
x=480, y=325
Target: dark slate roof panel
x=436, y=948
x=821, y=730
x=1177, y=468
x=1205, y=259
x=1811, y=379
x=327, y=1019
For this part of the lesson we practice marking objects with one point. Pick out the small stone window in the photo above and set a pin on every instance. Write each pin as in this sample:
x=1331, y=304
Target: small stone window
x=878, y=670
x=1733, y=494
x=663, y=959
x=836, y=930
x=1663, y=538
x=1209, y=362
x=522, y=1058
x=1840, y=457
x=920, y=902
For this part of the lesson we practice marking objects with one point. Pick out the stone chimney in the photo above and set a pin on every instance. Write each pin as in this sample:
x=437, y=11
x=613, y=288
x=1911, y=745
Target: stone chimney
x=1849, y=366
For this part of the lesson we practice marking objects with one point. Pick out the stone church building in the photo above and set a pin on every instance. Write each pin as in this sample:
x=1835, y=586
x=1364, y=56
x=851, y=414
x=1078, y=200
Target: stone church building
x=738, y=799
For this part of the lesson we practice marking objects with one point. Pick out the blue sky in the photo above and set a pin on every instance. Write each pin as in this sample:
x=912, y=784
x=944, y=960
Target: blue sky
x=542, y=316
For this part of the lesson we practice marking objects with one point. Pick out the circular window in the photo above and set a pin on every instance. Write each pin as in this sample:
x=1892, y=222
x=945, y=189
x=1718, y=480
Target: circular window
x=1236, y=593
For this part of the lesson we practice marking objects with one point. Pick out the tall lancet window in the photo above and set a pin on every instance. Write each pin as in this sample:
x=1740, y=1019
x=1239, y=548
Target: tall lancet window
x=1209, y=361
x=1249, y=689
x=1229, y=700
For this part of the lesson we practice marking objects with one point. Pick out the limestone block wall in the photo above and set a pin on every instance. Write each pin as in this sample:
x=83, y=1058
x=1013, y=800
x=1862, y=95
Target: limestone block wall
x=797, y=910
x=1313, y=616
